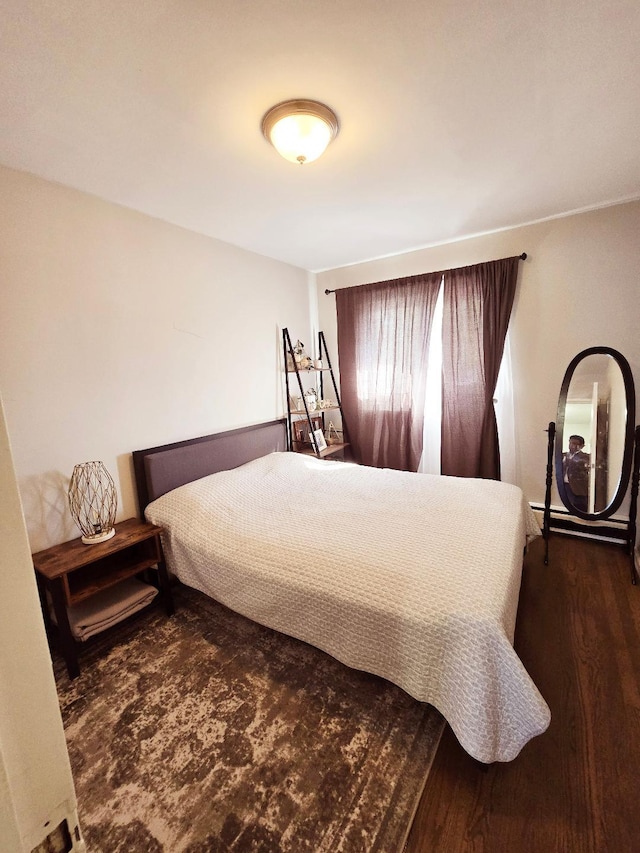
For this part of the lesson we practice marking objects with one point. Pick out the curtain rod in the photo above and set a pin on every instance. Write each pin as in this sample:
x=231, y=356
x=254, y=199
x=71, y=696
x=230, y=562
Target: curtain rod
x=522, y=257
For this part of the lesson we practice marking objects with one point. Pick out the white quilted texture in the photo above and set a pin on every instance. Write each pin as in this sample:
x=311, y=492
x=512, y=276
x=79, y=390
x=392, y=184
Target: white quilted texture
x=411, y=577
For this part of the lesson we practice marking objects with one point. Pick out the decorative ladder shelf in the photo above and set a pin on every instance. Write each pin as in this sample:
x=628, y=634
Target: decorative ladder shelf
x=303, y=423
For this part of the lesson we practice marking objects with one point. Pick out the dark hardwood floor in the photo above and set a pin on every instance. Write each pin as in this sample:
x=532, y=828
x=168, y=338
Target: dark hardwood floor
x=576, y=787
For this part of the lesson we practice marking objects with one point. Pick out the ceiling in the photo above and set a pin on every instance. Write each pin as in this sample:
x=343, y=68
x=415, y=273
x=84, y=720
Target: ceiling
x=457, y=117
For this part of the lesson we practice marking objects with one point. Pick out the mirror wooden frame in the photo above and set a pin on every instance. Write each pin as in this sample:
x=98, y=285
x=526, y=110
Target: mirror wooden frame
x=627, y=459
x=625, y=531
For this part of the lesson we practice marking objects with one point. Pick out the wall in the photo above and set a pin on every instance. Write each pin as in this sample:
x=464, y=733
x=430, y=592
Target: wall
x=119, y=331
x=35, y=776
x=578, y=288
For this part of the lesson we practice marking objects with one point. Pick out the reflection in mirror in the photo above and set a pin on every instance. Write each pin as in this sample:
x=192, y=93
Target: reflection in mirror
x=595, y=433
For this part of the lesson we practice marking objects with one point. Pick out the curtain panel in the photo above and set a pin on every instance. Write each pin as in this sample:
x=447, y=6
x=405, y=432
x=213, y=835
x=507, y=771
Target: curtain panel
x=477, y=307
x=383, y=342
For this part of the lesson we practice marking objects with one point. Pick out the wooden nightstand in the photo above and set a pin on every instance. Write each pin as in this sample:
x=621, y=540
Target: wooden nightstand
x=73, y=572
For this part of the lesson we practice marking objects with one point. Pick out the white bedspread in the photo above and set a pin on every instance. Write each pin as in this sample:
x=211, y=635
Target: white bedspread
x=411, y=577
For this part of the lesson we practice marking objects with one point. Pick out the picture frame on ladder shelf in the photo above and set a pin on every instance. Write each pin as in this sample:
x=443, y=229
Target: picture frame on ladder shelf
x=321, y=443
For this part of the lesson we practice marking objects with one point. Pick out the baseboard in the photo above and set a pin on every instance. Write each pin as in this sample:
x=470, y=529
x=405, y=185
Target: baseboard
x=613, y=530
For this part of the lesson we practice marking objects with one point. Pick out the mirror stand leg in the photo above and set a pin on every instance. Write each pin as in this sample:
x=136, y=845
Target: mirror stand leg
x=633, y=505
x=546, y=526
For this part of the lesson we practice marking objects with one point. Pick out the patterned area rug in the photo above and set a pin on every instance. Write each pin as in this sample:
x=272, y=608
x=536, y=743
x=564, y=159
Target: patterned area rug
x=208, y=732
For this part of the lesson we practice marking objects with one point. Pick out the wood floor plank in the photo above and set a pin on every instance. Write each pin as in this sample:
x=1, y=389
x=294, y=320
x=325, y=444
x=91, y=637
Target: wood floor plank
x=575, y=788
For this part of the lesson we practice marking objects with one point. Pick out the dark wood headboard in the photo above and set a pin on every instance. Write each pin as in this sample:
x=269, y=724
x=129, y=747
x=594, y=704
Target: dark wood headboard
x=160, y=469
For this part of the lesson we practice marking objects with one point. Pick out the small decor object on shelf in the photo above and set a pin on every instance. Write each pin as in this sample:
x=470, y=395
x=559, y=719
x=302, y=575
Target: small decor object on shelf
x=301, y=358
x=318, y=364
x=332, y=435
x=300, y=430
x=93, y=501
x=311, y=396
x=302, y=433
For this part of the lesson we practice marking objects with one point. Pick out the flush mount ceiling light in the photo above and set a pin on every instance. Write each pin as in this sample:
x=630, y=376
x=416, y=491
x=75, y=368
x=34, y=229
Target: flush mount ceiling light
x=300, y=130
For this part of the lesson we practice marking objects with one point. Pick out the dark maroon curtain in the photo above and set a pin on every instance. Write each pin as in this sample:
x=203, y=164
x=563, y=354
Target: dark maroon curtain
x=477, y=307
x=383, y=343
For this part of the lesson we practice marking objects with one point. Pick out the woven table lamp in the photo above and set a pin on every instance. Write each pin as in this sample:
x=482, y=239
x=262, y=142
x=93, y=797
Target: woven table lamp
x=93, y=501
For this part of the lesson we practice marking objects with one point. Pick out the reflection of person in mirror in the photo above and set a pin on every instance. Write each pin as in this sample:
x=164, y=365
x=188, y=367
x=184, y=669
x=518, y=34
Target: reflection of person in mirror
x=575, y=469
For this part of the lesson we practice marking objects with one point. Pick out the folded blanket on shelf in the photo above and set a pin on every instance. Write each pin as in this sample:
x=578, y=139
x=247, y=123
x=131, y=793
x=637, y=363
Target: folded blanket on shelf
x=108, y=607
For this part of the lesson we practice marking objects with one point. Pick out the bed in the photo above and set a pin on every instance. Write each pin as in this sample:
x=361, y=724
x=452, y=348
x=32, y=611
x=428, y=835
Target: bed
x=414, y=578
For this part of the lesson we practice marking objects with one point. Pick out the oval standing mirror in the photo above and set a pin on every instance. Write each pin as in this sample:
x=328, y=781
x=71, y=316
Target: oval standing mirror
x=595, y=433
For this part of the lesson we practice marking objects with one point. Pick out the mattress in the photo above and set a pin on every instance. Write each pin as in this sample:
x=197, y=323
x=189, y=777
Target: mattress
x=411, y=577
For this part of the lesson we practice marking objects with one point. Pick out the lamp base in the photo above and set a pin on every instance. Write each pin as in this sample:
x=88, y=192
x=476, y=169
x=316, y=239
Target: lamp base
x=99, y=537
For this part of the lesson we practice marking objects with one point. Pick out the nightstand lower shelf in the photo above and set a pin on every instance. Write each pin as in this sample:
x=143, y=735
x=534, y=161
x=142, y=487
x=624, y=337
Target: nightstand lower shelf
x=97, y=584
